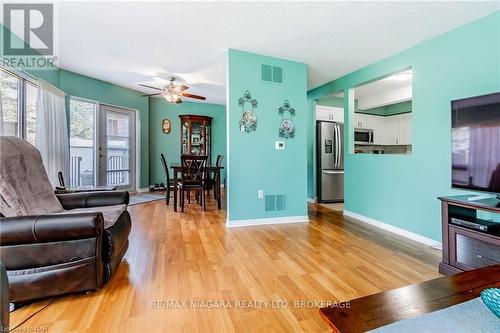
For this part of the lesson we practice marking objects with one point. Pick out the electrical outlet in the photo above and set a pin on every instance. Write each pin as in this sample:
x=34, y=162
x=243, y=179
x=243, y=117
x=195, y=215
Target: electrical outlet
x=260, y=194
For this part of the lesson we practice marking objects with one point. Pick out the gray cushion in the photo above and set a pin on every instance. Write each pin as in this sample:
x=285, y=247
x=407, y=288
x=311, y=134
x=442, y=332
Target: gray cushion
x=25, y=188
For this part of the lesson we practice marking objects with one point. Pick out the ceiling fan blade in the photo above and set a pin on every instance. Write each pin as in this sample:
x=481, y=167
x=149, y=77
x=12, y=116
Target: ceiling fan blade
x=148, y=95
x=178, y=101
x=182, y=88
x=193, y=96
x=145, y=85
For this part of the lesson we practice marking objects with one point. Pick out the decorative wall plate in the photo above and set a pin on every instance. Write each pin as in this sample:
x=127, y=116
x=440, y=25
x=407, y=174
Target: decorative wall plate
x=248, y=122
x=166, y=126
x=287, y=127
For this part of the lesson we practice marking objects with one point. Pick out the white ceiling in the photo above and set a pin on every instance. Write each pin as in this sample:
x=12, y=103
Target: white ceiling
x=127, y=43
x=385, y=91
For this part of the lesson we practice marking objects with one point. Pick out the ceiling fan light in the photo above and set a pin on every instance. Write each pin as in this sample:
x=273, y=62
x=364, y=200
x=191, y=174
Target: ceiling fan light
x=169, y=98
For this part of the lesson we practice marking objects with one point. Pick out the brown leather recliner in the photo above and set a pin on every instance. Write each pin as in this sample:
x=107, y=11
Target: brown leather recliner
x=53, y=245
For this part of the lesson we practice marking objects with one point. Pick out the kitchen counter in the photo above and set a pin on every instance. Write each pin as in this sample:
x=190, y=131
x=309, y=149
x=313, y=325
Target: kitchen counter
x=387, y=149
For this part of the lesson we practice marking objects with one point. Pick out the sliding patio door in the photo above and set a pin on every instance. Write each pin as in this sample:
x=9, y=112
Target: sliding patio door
x=102, y=145
x=117, y=147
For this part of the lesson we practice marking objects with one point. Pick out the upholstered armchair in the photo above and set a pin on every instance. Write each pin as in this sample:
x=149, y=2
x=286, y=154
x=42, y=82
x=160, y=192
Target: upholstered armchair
x=52, y=245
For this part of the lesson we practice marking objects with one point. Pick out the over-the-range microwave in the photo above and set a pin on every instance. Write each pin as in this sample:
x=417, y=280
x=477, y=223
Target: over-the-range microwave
x=363, y=136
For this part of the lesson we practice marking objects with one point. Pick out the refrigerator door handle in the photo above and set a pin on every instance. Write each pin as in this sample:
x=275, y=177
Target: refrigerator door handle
x=340, y=147
x=333, y=172
x=337, y=133
x=335, y=147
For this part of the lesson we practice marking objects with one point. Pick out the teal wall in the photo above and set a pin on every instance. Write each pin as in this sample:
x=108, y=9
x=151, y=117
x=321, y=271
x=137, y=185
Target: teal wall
x=389, y=110
x=253, y=163
x=169, y=144
x=401, y=190
x=337, y=102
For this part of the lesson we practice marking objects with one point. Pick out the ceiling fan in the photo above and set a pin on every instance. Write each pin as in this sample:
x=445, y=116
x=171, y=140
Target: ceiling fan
x=173, y=93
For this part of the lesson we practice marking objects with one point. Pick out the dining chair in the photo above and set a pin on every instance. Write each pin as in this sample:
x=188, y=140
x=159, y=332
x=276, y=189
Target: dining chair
x=212, y=180
x=169, y=183
x=193, y=177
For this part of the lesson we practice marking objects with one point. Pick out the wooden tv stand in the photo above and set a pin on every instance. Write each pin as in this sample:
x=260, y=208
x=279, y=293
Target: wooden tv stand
x=466, y=249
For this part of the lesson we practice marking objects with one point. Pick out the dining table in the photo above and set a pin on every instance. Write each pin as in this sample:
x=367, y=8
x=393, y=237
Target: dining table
x=210, y=169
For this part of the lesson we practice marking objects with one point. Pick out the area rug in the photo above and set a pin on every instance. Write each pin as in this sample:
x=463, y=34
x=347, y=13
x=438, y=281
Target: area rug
x=136, y=199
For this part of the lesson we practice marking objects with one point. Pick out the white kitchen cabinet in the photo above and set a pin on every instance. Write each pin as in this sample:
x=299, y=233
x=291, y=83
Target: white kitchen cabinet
x=329, y=113
x=405, y=130
x=362, y=120
x=392, y=130
x=379, y=130
x=398, y=129
x=376, y=123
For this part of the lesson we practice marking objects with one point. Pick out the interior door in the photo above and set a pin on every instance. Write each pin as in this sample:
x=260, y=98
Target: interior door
x=117, y=147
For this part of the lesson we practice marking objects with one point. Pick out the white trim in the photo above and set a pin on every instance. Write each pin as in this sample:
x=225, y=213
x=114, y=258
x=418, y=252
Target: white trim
x=311, y=200
x=271, y=220
x=142, y=190
x=405, y=233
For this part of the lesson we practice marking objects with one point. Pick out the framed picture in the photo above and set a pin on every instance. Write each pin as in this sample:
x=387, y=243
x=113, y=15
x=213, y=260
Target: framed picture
x=166, y=126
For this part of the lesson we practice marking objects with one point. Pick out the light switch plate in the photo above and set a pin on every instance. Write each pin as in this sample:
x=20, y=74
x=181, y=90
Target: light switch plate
x=260, y=194
x=279, y=145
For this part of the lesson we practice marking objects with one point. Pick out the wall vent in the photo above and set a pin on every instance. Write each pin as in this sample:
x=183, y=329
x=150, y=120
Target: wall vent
x=275, y=202
x=270, y=73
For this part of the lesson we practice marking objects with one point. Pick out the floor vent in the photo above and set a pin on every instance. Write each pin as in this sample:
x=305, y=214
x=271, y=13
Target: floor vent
x=275, y=202
x=270, y=73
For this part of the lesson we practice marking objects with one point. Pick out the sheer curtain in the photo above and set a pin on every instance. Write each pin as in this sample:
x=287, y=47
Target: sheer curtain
x=52, y=130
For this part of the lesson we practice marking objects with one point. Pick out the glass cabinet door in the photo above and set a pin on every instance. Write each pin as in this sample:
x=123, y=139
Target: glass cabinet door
x=196, y=138
x=185, y=138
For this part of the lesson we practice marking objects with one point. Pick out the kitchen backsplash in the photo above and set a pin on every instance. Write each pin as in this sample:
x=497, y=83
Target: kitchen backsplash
x=387, y=149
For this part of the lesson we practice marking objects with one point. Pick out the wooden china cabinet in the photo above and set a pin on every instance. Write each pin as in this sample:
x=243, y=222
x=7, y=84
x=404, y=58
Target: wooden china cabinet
x=196, y=135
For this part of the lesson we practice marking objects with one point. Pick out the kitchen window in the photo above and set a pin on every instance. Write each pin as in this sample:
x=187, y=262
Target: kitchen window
x=18, y=105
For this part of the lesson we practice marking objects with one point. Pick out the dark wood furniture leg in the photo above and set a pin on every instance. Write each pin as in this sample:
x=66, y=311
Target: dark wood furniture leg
x=175, y=191
x=217, y=189
x=168, y=194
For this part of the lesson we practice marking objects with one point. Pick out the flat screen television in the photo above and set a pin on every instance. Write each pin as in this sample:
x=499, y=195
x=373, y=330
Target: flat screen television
x=475, y=143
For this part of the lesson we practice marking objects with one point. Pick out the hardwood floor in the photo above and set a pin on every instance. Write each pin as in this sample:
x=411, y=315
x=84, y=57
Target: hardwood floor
x=192, y=257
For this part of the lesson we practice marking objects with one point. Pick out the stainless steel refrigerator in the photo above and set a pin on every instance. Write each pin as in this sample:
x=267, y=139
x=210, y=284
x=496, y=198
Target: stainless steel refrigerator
x=330, y=154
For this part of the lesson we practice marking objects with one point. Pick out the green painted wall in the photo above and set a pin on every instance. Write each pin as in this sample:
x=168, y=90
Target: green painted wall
x=401, y=190
x=169, y=144
x=389, y=110
x=337, y=102
x=253, y=163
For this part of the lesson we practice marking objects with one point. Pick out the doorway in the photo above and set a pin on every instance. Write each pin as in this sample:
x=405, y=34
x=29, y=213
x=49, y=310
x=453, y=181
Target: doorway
x=102, y=145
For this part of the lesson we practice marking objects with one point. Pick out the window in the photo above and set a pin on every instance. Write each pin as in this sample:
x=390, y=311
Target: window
x=18, y=105
x=10, y=105
x=82, y=142
x=30, y=100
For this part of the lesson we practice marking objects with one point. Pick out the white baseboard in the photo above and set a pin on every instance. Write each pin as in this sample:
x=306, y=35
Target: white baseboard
x=271, y=220
x=141, y=190
x=405, y=233
x=311, y=200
